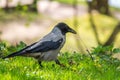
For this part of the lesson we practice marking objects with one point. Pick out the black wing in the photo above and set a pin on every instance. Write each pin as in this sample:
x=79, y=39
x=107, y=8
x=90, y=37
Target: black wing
x=45, y=46
x=23, y=51
x=37, y=47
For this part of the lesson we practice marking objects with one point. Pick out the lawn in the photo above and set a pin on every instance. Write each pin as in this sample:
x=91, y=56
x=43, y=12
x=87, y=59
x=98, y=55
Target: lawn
x=78, y=66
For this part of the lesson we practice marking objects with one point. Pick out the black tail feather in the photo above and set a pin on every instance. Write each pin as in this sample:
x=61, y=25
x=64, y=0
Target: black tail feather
x=14, y=54
x=18, y=53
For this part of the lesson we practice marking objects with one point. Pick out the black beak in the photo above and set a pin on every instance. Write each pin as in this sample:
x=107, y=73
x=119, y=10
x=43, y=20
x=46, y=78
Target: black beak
x=72, y=31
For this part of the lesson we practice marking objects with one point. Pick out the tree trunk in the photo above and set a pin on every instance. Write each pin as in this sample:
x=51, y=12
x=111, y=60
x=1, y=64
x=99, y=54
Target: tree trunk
x=6, y=7
x=113, y=35
x=92, y=23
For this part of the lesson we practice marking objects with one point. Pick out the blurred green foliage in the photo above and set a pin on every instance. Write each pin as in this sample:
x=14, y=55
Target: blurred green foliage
x=18, y=15
x=22, y=8
x=116, y=50
x=70, y=2
x=66, y=1
x=100, y=50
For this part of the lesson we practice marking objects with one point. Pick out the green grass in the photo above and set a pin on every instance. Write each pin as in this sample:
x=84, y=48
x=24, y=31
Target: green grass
x=71, y=2
x=78, y=66
x=81, y=68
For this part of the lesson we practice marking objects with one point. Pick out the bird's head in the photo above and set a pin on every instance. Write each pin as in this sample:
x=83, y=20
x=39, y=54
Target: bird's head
x=65, y=28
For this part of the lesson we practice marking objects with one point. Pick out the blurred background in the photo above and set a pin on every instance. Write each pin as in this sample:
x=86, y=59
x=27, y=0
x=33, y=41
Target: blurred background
x=96, y=21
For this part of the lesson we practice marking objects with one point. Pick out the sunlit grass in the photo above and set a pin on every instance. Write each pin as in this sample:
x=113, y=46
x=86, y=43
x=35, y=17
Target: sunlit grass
x=71, y=2
x=78, y=67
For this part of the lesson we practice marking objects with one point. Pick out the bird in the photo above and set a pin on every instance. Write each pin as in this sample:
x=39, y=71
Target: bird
x=47, y=48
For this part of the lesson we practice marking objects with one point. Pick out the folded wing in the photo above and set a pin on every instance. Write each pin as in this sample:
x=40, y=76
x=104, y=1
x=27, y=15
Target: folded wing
x=38, y=47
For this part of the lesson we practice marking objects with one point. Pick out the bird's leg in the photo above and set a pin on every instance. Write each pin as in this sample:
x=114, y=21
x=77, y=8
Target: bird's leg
x=58, y=62
x=40, y=63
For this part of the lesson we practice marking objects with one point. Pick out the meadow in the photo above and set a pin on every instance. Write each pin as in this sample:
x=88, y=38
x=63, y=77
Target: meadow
x=97, y=64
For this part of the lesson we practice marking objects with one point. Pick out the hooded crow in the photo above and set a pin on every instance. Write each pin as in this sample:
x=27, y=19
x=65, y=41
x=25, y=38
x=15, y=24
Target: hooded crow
x=48, y=47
